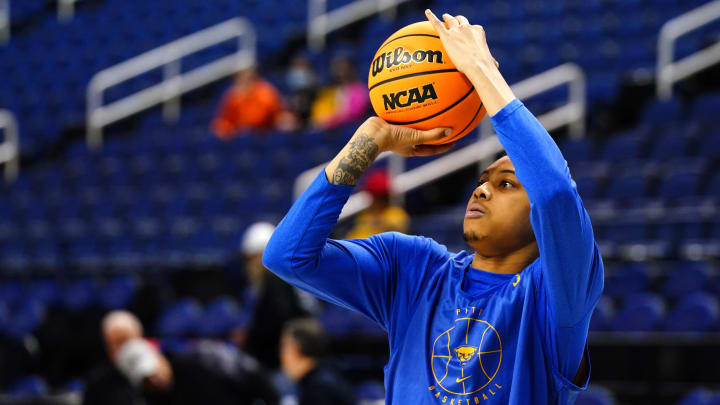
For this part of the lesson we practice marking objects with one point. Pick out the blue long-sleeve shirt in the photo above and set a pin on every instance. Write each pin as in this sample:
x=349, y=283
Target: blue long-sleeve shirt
x=515, y=339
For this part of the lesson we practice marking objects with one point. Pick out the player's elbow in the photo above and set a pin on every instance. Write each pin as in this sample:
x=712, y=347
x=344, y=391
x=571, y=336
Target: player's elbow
x=275, y=258
x=559, y=193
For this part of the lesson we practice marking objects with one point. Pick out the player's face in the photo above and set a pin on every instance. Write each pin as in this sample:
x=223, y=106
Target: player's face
x=497, y=220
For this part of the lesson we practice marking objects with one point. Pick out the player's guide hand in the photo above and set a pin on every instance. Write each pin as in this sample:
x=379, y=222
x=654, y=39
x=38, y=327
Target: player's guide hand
x=464, y=43
x=403, y=140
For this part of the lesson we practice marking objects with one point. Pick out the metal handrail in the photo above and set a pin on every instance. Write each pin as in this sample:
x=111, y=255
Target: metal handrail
x=174, y=83
x=10, y=148
x=571, y=114
x=669, y=72
x=66, y=9
x=4, y=21
x=321, y=22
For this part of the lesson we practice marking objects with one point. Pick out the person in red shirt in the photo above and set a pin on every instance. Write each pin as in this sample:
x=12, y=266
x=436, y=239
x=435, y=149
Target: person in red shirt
x=252, y=103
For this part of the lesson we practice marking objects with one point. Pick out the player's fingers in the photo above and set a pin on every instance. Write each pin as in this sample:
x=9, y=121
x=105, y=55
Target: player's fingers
x=429, y=150
x=462, y=20
x=497, y=64
x=451, y=21
x=436, y=23
x=431, y=135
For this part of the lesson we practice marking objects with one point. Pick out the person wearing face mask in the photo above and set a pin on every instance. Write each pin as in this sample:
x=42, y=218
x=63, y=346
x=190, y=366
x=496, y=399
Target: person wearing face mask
x=301, y=82
x=140, y=373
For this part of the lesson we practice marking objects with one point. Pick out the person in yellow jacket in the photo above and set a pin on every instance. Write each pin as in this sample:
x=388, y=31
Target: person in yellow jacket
x=381, y=216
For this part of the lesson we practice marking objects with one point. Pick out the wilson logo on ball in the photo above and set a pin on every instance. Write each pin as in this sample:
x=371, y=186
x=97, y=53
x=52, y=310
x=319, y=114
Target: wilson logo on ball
x=401, y=57
x=405, y=98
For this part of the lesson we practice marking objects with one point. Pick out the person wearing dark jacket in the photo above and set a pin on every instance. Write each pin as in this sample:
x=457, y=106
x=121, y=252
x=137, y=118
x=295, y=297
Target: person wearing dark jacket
x=302, y=344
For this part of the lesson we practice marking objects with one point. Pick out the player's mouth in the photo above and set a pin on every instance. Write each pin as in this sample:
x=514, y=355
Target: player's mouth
x=475, y=210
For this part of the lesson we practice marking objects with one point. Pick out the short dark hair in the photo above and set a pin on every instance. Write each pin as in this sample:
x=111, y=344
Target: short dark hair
x=309, y=335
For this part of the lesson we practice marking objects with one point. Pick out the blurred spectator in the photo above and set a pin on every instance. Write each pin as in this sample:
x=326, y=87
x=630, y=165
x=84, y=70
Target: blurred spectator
x=270, y=301
x=252, y=103
x=141, y=374
x=302, y=82
x=302, y=345
x=344, y=101
x=381, y=216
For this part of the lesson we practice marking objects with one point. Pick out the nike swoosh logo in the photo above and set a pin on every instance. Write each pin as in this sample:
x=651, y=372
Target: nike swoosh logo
x=457, y=380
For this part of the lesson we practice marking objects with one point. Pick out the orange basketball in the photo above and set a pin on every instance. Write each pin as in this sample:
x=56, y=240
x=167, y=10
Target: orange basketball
x=414, y=83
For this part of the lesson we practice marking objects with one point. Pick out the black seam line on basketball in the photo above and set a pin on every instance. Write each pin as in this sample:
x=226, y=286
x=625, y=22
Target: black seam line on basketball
x=436, y=114
x=408, y=35
x=428, y=72
x=471, y=120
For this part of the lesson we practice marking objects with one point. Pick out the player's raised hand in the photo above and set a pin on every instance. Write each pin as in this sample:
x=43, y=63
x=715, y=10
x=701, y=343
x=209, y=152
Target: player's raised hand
x=464, y=43
x=406, y=141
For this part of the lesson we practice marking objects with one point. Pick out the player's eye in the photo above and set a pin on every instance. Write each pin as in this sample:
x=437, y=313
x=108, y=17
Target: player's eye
x=506, y=184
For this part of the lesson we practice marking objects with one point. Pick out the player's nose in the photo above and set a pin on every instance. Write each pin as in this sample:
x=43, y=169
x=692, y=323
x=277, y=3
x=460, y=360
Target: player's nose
x=482, y=192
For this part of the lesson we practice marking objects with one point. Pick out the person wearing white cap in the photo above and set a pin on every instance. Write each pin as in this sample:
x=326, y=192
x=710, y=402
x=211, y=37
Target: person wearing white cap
x=270, y=301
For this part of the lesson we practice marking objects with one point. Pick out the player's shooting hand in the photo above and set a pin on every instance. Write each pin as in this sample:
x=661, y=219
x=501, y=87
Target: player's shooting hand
x=465, y=44
x=405, y=141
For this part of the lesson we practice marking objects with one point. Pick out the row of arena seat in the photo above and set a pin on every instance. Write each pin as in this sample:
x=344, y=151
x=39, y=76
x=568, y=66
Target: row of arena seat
x=681, y=298
x=57, y=71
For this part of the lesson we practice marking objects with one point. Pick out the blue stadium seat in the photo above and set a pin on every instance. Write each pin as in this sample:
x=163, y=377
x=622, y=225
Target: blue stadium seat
x=627, y=280
x=11, y=291
x=370, y=392
x=685, y=278
x=576, y=150
x=698, y=396
x=180, y=319
x=640, y=313
x=709, y=145
x=80, y=294
x=595, y=395
x=627, y=187
x=221, y=315
x=706, y=108
x=45, y=292
x=29, y=386
x=714, y=399
x=669, y=145
x=119, y=291
x=680, y=185
x=25, y=317
x=697, y=312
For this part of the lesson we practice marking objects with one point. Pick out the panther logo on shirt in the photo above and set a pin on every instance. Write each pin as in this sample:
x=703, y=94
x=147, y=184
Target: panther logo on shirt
x=465, y=353
x=465, y=360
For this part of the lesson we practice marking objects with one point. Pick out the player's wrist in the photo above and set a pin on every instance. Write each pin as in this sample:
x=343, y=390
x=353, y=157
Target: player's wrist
x=481, y=71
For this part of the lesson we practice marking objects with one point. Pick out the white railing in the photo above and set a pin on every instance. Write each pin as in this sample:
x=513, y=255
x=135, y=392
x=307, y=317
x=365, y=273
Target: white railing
x=571, y=114
x=174, y=83
x=10, y=147
x=4, y=21
x=669, y=72
x=321, y=22
x=66, y=9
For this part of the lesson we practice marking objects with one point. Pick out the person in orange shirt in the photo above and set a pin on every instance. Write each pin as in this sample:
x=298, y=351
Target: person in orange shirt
x=380, y=216
x=252, y=103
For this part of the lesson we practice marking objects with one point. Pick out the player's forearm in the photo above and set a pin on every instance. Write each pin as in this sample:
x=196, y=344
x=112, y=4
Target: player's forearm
x=354, y=159
x=492, y=88
x=538, y=162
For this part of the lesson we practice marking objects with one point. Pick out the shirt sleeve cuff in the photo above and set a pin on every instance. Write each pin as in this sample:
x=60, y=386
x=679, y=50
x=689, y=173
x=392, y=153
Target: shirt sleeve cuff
x=322, y=181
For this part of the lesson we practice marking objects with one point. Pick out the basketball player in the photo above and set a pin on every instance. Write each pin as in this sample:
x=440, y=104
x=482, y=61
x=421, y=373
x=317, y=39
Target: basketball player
x=506, y=324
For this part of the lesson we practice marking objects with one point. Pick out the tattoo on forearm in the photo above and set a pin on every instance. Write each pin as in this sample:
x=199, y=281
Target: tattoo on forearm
x=363, y=151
